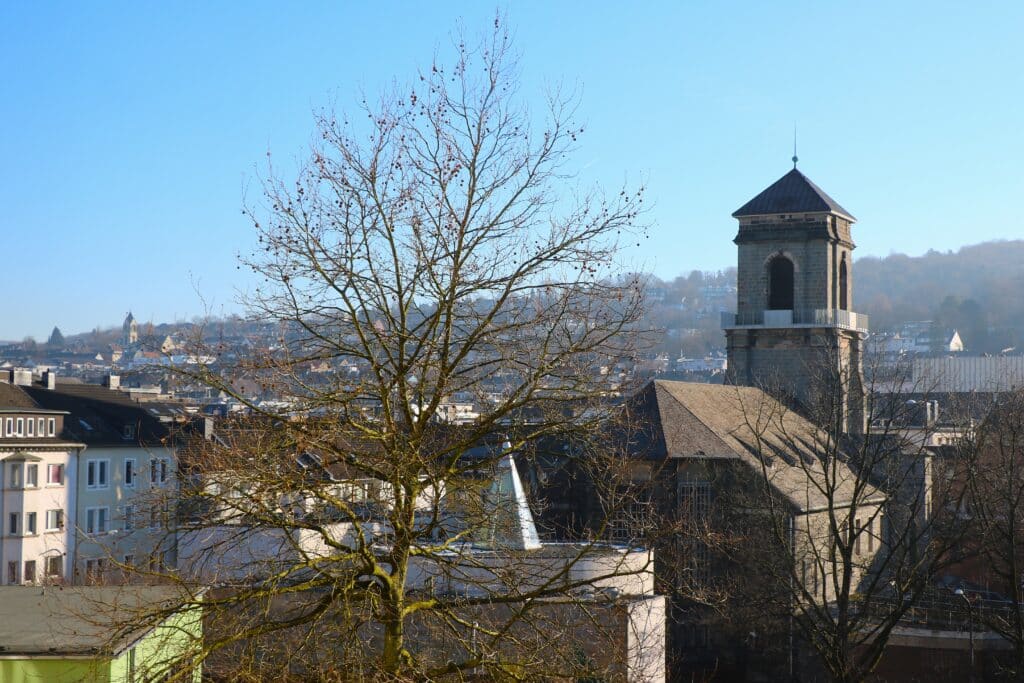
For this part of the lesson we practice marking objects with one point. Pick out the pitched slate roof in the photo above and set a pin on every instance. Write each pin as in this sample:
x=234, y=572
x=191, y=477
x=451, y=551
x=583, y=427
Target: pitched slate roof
x=12, y=396
x=99, y=415
x=689, y=419
x=792, y=193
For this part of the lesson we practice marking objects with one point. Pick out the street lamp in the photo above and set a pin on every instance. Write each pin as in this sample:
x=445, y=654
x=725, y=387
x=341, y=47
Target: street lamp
x=970, y=623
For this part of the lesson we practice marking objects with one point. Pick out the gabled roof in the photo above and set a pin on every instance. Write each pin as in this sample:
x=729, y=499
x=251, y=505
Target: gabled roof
x=690, y=419
x=792, y=193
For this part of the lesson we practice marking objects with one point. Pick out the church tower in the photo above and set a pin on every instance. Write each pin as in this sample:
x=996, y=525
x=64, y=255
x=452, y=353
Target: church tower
x=794, y=332
x=129, y=330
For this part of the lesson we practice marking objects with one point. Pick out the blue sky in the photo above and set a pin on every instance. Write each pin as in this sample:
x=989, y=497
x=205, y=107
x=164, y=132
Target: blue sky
x=131, y=132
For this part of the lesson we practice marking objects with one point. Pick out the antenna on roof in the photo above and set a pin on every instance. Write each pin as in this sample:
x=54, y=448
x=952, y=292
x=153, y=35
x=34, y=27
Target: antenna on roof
x=795, y=157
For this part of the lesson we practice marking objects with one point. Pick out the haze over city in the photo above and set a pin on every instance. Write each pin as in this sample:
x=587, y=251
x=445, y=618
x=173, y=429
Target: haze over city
x=133, y=135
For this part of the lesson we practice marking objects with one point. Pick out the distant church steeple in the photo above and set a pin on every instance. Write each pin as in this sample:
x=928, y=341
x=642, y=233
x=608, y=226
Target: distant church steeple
x=129, y=330
x=794, y=331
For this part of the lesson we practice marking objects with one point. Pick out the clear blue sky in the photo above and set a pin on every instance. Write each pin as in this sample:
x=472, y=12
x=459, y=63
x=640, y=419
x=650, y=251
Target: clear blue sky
x=131, y=131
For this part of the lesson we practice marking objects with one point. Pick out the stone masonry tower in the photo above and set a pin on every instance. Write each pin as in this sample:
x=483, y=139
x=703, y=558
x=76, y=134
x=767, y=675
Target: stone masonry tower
x=794, y=332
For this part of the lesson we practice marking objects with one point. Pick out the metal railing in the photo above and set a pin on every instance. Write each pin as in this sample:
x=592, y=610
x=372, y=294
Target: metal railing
x=816, y=317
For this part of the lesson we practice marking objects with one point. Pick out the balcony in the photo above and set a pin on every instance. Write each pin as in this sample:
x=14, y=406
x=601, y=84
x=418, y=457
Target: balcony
x=818, y=317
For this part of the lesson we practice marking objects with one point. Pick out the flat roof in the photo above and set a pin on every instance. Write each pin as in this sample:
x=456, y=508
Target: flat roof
x=66, y=621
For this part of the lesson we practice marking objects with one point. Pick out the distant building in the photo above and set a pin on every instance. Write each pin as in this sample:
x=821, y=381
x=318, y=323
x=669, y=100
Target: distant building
x=129, y=330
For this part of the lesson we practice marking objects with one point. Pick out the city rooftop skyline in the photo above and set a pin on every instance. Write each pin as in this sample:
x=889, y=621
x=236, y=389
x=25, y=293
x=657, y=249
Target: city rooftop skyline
x=132, y=136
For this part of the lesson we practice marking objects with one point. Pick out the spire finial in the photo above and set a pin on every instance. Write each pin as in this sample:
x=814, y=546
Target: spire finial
x=795, y=157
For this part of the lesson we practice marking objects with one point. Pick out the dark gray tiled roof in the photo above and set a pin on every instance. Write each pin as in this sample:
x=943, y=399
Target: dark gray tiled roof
x=690, y=419
x=792, y=193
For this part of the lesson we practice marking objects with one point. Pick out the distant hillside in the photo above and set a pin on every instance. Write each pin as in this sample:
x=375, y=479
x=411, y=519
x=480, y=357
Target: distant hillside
x=977, y=290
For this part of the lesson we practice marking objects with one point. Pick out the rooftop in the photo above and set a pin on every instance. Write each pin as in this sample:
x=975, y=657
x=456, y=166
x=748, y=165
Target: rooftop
x=792, y=193
x=691, y=419
x=70, y=621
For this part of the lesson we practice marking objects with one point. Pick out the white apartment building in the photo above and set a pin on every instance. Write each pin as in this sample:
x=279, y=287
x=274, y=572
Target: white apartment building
x=37, y=491
x=124, y=504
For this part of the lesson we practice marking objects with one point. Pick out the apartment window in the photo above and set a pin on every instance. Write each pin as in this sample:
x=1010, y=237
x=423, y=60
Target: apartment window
x=12, y=572
x=31, y=476
x=158, y=471
x=97, y=474
x=20, y=428
x=55, y=474
x=96, y=520
x=12, y=523
x=15, y=478
x=30, y=571
x=54, y=566
x=154, y=517
x=9, y=431
x=871, y=535
x=128, y=432
x=52, y=426
x=54, y=520
x=94, y=570
x=31, y=427
x=41, y=430
x=129, y=517
x=30, y=523
x=129, y=472
x=858, y=529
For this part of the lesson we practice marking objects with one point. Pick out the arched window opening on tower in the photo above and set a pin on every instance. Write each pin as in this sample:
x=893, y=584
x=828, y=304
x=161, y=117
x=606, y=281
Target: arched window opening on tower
x=780, y=284
x=844, y=301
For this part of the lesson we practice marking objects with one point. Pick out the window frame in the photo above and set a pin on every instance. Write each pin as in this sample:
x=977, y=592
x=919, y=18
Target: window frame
x=130, y=468
x=50, y=468
x=94, y=468
x=93, y=517
x=58, y=519
x=31, y=524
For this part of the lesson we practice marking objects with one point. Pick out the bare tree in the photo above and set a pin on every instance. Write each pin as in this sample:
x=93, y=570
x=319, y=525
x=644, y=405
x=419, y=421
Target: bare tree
x=841, y=537
x=443, y=295
x=995, y=506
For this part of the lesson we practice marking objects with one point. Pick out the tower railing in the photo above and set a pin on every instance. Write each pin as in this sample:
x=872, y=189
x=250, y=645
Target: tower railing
x=815, y=317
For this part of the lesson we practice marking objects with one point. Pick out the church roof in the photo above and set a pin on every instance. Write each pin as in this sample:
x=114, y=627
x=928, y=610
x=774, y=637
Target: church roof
x=792, y=193
x=715, y=421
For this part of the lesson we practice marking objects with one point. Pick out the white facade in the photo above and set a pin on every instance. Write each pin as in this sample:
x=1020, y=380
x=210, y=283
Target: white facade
x=37, y=498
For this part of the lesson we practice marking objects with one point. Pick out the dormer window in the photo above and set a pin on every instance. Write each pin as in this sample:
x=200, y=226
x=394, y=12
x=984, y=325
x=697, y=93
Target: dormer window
x=19, y=429
x=128, y=432
x=31, y=427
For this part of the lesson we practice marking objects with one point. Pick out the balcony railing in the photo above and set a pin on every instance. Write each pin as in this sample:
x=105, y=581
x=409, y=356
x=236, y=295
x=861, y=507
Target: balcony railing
x=817, y=317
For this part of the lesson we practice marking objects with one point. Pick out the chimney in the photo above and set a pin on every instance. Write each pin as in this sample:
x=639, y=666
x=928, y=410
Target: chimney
x=208, y=428
x=21, y=377
x=50, y=379
x=112, y=381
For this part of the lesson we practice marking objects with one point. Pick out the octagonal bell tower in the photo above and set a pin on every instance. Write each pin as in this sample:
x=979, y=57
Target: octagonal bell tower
x=794, y=332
